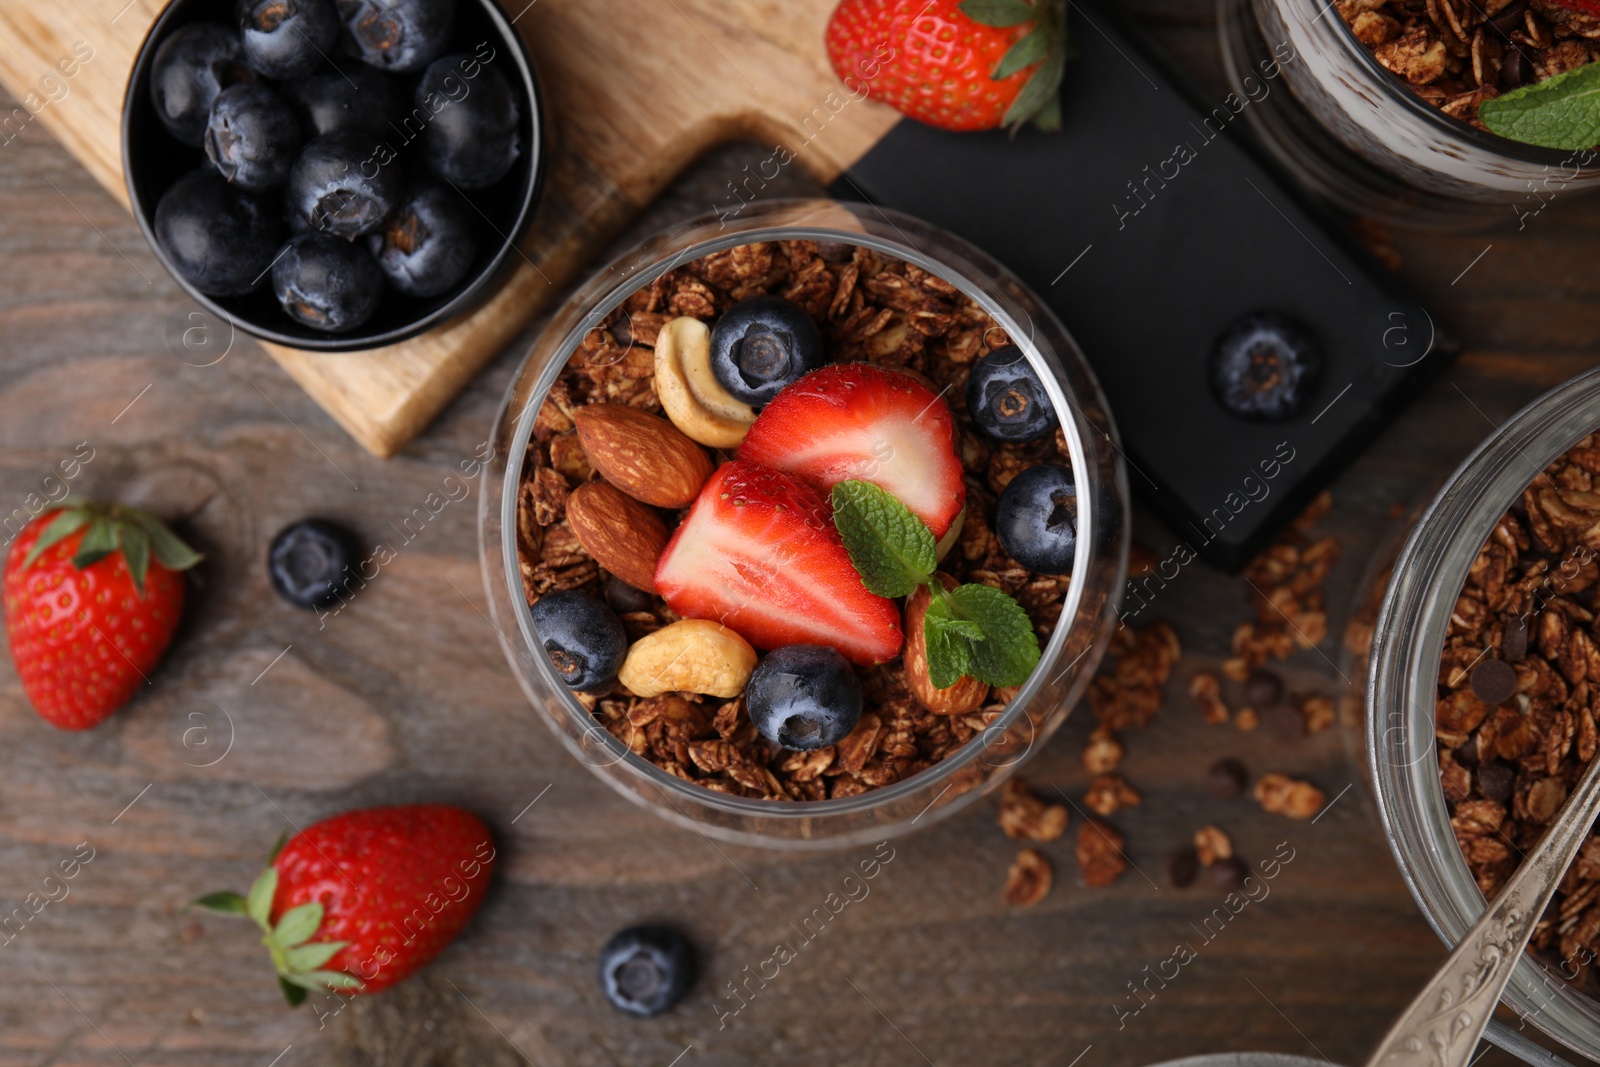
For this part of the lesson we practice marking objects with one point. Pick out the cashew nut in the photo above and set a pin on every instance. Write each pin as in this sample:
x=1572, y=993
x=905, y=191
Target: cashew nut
x=693, y=398
x=689, y=656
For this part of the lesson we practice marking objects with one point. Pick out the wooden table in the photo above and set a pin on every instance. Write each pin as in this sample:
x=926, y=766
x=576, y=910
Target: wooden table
x=405, y=696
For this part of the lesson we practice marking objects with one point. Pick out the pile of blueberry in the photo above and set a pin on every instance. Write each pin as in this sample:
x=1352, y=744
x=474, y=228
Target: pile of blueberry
x=339, y=139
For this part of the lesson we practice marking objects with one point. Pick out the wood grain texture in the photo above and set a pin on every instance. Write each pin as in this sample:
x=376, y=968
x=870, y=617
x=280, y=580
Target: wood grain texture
x=635, y=91
x=405, y=696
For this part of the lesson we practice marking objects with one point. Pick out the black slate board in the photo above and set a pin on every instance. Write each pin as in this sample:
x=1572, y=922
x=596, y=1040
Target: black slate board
x=1148, y=225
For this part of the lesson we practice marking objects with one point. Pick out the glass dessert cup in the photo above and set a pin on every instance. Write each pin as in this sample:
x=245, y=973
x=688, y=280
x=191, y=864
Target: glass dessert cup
x=1353, y=135
x=1403, y=686
x=1069, y=656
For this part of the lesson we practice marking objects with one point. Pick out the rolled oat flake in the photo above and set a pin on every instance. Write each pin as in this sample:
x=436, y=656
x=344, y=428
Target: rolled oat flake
x=1494, y=681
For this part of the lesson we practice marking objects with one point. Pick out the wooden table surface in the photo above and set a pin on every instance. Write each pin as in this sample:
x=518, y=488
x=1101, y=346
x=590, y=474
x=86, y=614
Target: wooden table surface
x=405, y=696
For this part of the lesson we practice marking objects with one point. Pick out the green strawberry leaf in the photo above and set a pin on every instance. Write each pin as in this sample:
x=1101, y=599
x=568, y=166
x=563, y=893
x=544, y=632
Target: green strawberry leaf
x=259, y=903
x=293, y=992
x=297, y=925
x=998, y=13
x=1009, y=650
x=99, y=541
x=1048, y=118
x=1559, y=112
x=1044, y=86
x=135, y=545
x=169, y=549
x=310, y=957
x=321, y=980
x=223, y=903
x=62, y=526
x=892, y=549
x=1025, y=53
x=272, y=857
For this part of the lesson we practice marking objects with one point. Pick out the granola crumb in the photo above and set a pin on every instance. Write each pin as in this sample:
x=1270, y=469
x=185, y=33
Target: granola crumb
x=1206, y=689
x=1103, y=752
x=1282, y=795
x=1247, y=719
x=1024, y=816
x=1211, y=845
x=1109, y=794
x=1318, y=712
x=1029, y=879
x=1100, y=853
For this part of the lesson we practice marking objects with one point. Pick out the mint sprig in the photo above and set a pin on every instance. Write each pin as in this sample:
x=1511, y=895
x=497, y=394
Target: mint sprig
x=1559, y=112
x=971, y=630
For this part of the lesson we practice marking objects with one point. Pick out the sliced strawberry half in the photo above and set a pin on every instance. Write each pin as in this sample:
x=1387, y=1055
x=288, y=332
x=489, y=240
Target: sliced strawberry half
x=856, y=420
x=759, y=554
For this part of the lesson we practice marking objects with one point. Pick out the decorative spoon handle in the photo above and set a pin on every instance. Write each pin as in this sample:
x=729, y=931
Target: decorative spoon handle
x=1441, y=1027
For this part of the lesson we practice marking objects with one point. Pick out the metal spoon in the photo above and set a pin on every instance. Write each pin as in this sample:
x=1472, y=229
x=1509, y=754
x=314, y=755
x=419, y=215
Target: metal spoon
x=1441, y=1027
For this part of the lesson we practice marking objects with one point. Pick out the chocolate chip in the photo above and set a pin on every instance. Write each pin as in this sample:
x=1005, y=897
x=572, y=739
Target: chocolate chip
x=1228, y=874
x=1182, y=868
x=1285, y=722
x=1514, y=644
x=1467, y=754
x=1263, y=689
x=1508, y=20
x=1495, y=779
x=835, y=251
x=1494, y=681
x=1226, y=779
x=1514, y=69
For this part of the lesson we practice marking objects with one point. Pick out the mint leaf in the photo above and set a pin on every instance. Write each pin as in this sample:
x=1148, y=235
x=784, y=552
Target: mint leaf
x=1009, y=650
x=1560, y=112
x=948, y=641
x=999, y=12
x=892, y=549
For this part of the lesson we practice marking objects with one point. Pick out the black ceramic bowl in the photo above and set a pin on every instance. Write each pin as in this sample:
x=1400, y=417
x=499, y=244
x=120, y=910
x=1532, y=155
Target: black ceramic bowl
x=152, y=160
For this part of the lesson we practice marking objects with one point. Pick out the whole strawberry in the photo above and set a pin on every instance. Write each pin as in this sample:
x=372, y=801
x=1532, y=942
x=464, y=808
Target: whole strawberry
x=955, y=64
x=363, y=900
x=92, y=596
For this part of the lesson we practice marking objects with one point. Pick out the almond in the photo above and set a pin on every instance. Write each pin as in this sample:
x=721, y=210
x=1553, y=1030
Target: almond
x=624, y=536
x=968, y=694
x=642, y=454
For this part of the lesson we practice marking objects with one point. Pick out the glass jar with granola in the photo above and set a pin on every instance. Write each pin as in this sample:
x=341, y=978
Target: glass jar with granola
x=844, y=503
x=1484, y=690
x=1392, y=104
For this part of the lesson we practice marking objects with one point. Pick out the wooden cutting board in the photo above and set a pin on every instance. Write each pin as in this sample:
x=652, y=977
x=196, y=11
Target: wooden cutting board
x=634, y=91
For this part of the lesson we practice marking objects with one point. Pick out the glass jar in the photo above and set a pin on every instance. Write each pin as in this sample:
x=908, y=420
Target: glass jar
x=1068, y=659
x=1402, y=692
x=1355, y=135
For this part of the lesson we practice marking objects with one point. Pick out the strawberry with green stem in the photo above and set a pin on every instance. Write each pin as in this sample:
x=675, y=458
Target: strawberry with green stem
x=92, y=596
x=364, y=899
x=956, y=64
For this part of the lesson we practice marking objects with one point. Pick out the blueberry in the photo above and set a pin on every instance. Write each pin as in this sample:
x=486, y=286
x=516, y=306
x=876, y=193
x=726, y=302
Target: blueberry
x=397, y=35
x=473, y=134
x=252, y=137
x=1006, y=398
x=218, y=239
x=427, y=245
x=584, y=638
x=804, y=697
x=357, y=100
x=310, y=561
x=761, y=345
x=287, y=38
x=644, y=970
x=1265, y=367
x=326, y=283
x=1037, y=519
x=339, y=186
x=191, y=67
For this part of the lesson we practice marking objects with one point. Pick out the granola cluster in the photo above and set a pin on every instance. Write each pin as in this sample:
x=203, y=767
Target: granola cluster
x=869, y=307
x=1455, y=54
x=1519, y=695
